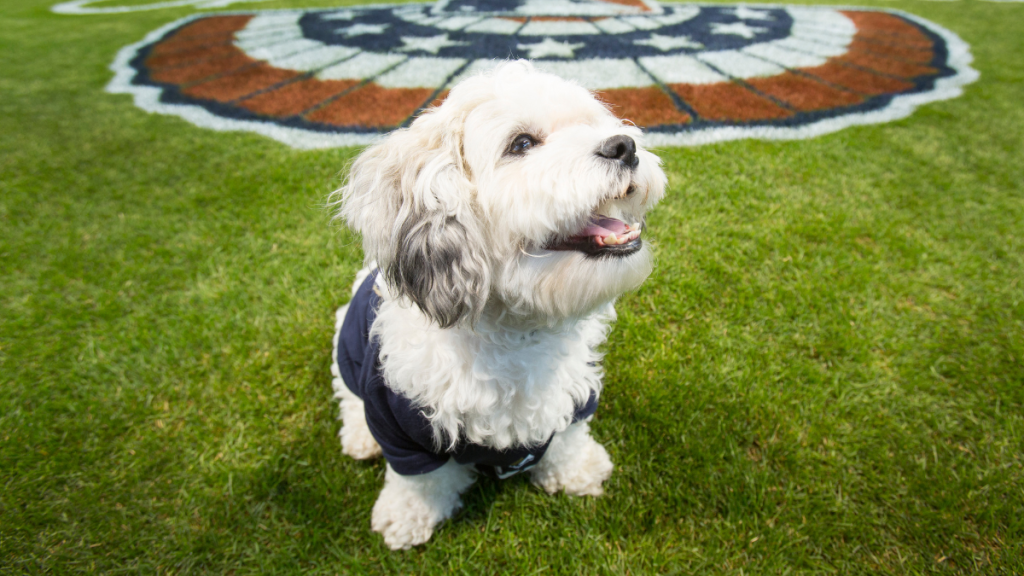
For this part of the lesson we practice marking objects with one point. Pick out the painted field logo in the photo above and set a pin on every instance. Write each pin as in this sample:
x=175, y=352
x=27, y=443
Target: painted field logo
x=688, y=74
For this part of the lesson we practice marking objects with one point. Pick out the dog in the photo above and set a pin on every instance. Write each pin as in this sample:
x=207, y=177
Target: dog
x=498, y=230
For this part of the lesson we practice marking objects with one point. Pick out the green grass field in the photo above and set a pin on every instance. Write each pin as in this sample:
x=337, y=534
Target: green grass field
x=824, y=374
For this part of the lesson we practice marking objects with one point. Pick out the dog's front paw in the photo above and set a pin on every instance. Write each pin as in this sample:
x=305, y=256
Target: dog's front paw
x=409, y=507
x=574, y=462
x=403, y=523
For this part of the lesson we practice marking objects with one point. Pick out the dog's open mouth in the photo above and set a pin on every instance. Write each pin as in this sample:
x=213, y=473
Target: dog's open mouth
x=603, y=235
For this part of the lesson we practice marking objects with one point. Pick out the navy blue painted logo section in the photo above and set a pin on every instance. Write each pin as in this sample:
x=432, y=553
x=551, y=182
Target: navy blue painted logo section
x=712, y=29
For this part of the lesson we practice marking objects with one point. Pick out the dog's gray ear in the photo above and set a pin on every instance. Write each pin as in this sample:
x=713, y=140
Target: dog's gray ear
x=412, y=200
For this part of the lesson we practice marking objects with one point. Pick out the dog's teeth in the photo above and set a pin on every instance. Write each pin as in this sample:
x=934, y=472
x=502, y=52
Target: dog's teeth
x=611, y=239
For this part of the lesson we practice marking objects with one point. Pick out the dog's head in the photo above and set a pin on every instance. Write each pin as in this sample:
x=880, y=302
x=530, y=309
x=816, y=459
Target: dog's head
x=520, y=194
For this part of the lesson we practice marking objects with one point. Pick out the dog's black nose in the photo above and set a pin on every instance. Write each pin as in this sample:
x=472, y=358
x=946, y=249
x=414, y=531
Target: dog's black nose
x=621, y=148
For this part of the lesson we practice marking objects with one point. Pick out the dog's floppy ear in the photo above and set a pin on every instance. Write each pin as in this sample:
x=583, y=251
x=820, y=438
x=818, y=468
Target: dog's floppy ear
x=411, y=198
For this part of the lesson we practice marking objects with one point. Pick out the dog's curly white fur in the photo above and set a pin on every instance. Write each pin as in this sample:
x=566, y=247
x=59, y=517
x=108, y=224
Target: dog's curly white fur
x=497, y=278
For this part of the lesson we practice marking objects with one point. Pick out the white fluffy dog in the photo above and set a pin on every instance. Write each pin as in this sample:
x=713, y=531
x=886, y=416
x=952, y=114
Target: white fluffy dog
x=499, y=228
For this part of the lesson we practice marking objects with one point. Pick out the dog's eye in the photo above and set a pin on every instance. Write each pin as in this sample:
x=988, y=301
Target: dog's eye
x=522, y=143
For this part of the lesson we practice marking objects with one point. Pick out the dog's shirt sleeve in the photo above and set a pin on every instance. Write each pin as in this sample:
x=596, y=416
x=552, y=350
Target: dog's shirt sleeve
x=401, y=430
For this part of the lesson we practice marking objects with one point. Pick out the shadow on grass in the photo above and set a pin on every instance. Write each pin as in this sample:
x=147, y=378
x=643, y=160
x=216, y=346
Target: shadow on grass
x=307, y=502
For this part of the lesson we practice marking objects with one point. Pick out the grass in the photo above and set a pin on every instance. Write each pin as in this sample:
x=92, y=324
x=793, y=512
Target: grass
x=825, y=374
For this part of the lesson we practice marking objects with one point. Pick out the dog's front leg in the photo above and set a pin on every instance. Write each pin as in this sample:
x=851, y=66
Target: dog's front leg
x=409, y=507
x=575, y=462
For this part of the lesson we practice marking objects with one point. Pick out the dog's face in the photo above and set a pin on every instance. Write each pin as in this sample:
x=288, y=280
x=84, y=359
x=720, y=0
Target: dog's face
x=521, y=194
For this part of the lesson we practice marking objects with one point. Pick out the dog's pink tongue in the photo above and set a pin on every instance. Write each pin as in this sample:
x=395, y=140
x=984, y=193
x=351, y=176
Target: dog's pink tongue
x=603, y=226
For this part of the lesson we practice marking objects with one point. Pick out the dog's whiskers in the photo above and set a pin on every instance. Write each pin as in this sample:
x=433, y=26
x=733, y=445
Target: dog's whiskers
x=525, y=253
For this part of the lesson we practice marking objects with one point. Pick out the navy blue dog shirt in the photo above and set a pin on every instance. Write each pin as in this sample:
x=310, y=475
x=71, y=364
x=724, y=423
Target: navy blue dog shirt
x=400, y=428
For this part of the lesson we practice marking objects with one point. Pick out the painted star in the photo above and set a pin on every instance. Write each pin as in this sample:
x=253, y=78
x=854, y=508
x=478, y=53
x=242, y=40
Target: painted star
x=339, y=15
x=428, y=43
x=360, y=29
x=666, y=43
x=737, y=29
x=744, y=13
x=551, y=48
